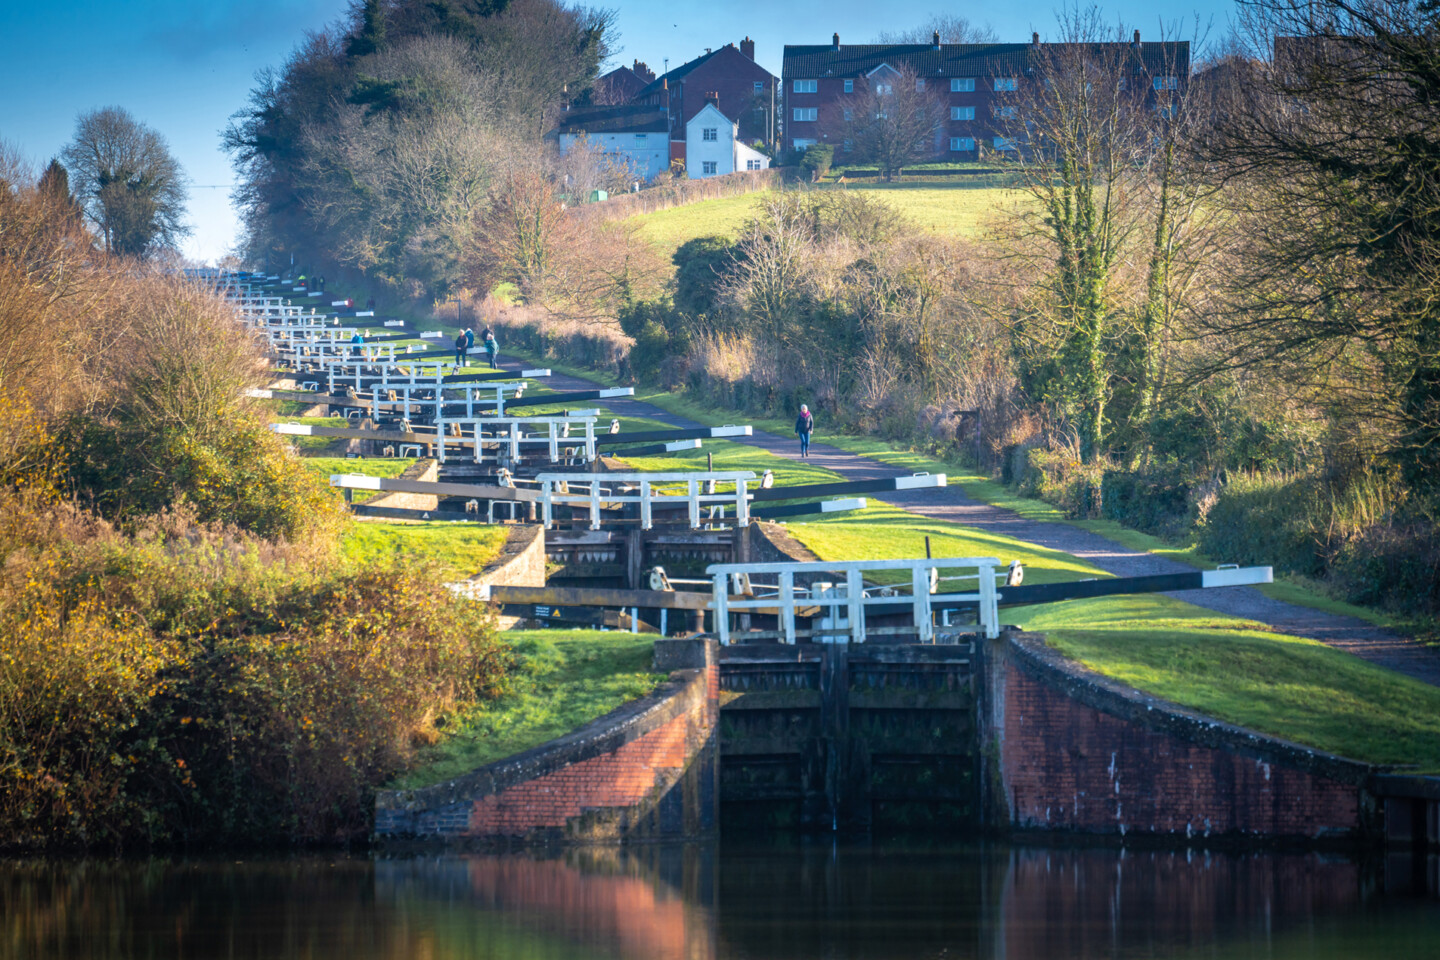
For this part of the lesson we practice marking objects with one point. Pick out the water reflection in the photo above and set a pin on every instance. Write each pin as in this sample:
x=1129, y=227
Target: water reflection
x=806, y=899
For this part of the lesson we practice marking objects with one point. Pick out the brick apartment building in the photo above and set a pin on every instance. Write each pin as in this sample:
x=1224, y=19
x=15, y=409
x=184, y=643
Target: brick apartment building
x=976, y=81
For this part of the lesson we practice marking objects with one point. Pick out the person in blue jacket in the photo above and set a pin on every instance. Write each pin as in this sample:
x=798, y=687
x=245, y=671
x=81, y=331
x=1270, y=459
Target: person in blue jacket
x=492, y=346
x=804, y=426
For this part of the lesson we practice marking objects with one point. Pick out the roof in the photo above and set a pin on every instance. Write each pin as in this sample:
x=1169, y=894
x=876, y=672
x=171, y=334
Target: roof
x=710, y=106
x=953, y=59
x=619, y=85
x=685, y=69
x=628, y=118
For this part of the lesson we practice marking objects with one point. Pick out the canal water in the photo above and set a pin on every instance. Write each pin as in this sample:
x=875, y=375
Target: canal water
x=698, y=902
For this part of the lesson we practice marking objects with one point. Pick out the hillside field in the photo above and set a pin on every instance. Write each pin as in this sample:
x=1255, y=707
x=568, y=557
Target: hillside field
x=953, y=209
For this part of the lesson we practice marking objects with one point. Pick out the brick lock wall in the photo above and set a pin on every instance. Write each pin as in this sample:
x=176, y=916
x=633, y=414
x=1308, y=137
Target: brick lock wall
x=647, y=773
x=624, y=778
x=1066, y=765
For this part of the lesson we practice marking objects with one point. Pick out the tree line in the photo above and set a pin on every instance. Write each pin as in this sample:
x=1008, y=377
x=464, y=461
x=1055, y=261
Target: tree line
x=1212, y=310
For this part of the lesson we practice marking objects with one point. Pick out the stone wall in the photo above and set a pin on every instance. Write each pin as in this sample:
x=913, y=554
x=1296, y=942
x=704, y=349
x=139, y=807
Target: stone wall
x=427, y=471
x=643, y=771
x=1068, y=749
x=521, y=563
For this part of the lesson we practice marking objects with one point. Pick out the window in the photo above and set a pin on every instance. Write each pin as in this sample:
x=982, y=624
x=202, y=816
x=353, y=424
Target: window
x=849, y=86
x=1005, y=83
x=759, y=88
x=707, y=167
x=804, y=86
x=1005, y=113
x=800, y=143
x=753, y=165
x=1165, y=83
x=962, y=84
x=710, y=133
x=805, y=113
x=962, y=143
x=884, y=89
x=1003, y=143
x=962, y=113
x=1168, y=111
x=849, y=114
x=641, y=140
x=848, y=146
x=919, y=83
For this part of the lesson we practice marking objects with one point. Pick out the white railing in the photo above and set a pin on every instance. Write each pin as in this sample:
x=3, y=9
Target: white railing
x=701, y=498
x=846, y=599
x=507, y=433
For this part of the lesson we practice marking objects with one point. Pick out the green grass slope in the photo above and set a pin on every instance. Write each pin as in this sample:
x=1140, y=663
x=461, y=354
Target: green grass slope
x=563, y=680
x=942, y=208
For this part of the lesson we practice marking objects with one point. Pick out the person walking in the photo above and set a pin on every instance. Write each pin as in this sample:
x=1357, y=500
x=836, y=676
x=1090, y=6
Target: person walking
x=492, y=346
x=469, y=339
x=804, y=426
x=460, y=347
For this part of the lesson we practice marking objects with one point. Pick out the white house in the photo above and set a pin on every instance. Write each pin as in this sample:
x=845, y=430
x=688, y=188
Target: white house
x=711, y=148
x=638, y=135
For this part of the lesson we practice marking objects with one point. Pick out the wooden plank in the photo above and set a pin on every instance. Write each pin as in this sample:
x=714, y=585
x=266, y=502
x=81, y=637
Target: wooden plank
x=600, y=597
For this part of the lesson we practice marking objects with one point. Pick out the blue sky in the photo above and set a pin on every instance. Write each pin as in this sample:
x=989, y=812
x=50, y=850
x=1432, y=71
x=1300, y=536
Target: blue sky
x=185, y=67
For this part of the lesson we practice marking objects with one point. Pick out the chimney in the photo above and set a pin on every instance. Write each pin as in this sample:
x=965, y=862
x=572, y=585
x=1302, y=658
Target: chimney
x=835, y=42
x=935, y=40
x=747, y=47
x=1137, y=38
x=1035, y=40
x=707, y=49
x=712, y=96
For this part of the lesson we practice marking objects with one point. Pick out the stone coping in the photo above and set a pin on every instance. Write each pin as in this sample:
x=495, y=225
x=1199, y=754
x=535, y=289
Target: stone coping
x=1035, y=659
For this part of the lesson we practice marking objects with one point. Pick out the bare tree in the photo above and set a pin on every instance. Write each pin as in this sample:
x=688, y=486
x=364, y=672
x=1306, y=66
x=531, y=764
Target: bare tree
x=130, y=186
x=951, y=27
x=1333, y=176
x=893, y=120
x=1076, y=127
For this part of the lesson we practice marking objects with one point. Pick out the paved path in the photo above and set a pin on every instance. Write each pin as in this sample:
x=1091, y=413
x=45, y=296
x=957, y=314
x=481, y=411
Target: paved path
x=1351, y=634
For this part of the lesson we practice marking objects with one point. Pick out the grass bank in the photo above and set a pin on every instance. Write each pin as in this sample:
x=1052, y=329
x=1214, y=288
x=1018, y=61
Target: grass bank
x=946, y=209
x=562, y=680
x=461, y=549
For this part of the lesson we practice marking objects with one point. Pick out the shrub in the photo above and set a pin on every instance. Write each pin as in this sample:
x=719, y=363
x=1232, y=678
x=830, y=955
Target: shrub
x=190, y=681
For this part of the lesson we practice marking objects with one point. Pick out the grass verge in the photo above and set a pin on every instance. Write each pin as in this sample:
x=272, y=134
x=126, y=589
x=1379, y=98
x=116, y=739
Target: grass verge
x=563, y=679
x=461, y=549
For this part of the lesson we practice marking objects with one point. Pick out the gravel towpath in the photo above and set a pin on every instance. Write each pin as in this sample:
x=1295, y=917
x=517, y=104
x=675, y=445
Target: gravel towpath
x=1351, y=634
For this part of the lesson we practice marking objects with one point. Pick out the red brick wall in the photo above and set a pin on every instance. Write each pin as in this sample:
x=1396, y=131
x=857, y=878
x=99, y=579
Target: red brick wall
x=647, y=770
x=628, y=776
x=1067, y=765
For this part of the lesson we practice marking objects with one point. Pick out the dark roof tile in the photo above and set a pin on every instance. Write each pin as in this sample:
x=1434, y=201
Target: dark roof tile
x=951, y=60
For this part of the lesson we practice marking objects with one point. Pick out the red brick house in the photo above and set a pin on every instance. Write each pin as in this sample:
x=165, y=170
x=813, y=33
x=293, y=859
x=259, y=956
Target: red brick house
x=742, y=90
x=973, y=80
x=619, y=86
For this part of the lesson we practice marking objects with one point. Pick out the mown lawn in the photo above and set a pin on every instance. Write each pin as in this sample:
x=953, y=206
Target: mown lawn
x=461, y=549
x=563, y=680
